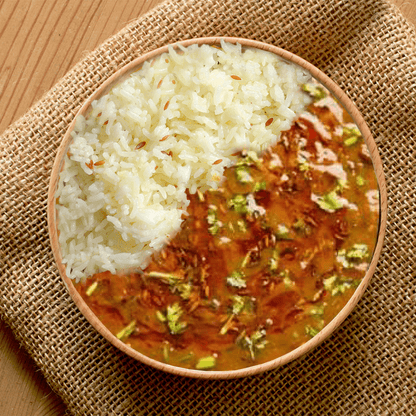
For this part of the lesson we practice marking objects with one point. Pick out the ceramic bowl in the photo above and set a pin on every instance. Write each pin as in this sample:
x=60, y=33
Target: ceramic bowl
x=331, y=326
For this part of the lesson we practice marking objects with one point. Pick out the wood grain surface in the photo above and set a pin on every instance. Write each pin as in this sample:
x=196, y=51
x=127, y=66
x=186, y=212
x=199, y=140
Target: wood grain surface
x=40, y=41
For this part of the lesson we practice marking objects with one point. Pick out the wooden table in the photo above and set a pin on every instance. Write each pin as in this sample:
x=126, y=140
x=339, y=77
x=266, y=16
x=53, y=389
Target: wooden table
x=40, y=41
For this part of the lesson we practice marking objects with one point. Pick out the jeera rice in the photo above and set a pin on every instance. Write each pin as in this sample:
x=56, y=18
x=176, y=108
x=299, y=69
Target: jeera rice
x=173, y=125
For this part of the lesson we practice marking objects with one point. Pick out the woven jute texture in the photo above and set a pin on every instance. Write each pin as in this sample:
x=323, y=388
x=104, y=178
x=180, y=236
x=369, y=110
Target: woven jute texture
x=368, y=366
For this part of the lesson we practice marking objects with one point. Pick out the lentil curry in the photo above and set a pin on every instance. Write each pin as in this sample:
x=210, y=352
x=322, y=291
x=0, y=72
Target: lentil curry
x=261, y=264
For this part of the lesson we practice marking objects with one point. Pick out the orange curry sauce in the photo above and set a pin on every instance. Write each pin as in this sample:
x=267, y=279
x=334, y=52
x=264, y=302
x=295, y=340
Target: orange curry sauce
x=262, y=264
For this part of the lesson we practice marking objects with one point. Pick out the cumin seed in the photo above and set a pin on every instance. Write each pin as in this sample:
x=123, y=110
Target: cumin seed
x=217, y=161
x=99, y=163
x=269, y=121
x=140, y=145
x=236, y=77
x=166, y=105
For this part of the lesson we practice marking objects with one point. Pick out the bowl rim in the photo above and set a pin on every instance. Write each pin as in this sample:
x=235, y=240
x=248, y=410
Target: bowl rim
x=117, y=77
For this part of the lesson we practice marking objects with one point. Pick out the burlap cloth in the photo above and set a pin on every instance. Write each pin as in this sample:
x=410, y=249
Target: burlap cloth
x=368, y=366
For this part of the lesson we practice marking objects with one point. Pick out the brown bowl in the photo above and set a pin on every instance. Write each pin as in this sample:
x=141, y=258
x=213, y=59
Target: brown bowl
x=331, y=326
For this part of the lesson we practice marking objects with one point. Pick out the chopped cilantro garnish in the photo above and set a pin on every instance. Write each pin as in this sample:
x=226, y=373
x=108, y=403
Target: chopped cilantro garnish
x=167, y=277
x=311, y=331
x=239, y=303
x=249, y=158
x=273, y=264
x=212, y=219
x=341, y=184
x=173, y=314
x=91, y=289
x=242, y=173
x=242, y=225
x=330, y=282
x=348, y=258
x=255, y=342
x=300, y=226
x=315, y=91
x=246, y=260
x=175, y=282
x=238, y=203
x=350, y=141
x=213, y=230
x=336, y=285
x=351, y=135
x=259, y=186
x=212, y=216
x=236, y=279
x=304, y=166
x=282, y=232
x=360, y=180
x=160, y=316
x=127, y=331
x=206, y=363
x=358, y=251
x=200, y=195
x=330, y=202
x=274, y=261
x=184, y=290
x=316, y=310
x=288, y=282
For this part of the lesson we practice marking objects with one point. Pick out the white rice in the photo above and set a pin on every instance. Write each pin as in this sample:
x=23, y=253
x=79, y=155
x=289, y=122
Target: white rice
x=117, y=214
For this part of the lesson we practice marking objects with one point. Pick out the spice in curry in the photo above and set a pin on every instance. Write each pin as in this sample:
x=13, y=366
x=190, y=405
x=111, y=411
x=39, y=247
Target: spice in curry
x=261, y=264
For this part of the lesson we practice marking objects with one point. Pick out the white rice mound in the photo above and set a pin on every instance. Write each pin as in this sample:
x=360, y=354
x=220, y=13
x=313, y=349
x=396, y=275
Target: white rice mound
x=117, y=214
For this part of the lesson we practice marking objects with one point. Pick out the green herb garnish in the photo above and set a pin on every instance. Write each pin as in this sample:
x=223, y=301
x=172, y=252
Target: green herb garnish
x=358, y=251
x=351, y=135
x=242, y=226
x=91, y=289
x=127, y=331
x=184, y=290
x=236, y=279
x=360, y=180
x=242, y=173
x=238, y=203
x=311, y=331
x=330, y=202
x=274, y=261
x=206, y=363
x=341, y=185
x=300, y=226
x=259, y=186
x=160, y=316
x=336, y=285
x=316, y=310
x=282, y=232
x=255, y=342
x=315, y=91
x=288, y=282
x=304, y=166
x=239, y=303
x=212, y=219
x=173, y=314
x=248, y=159
x=166, y=277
